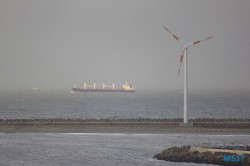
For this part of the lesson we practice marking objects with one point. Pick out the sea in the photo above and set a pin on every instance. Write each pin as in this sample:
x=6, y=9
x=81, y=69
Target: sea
x=22, y=104
x=111, y=149
x=99, y=149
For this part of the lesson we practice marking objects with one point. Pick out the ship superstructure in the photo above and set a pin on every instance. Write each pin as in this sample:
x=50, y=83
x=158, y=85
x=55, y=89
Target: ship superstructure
x=105, y=88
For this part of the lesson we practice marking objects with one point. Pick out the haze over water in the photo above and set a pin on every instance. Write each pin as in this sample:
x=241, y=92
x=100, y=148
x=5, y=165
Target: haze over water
x=141, y=104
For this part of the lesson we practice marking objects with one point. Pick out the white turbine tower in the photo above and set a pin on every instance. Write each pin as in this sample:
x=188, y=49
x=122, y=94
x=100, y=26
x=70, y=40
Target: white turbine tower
x=184, y=54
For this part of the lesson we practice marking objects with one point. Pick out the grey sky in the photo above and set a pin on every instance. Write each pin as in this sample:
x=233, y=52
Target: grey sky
x=56, y=43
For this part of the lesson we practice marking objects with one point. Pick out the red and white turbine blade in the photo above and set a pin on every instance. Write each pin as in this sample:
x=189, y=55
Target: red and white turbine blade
x=174, y=36
x=199, y=41
x=181, y=60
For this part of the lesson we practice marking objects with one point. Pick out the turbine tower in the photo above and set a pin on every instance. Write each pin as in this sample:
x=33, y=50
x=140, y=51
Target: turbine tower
x=184, y=55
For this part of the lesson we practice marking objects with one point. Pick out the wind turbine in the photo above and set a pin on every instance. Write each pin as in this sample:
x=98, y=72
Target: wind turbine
x=184, y=55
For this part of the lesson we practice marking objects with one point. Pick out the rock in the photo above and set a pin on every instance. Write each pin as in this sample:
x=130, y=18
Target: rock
x=184, y=154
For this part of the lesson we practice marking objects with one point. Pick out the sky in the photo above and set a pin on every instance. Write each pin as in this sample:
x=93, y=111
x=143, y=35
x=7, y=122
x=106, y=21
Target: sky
x=59, y=43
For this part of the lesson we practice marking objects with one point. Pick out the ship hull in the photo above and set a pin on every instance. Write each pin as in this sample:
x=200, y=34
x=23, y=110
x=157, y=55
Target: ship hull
x=100, y=90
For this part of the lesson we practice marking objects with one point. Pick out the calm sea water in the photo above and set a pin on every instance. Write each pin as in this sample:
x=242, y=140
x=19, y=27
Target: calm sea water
x=29, y=149
x=142, y=104
x=110, y=149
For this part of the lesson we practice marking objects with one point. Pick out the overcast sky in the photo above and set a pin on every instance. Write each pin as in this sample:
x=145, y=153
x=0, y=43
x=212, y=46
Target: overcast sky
x=59, y=43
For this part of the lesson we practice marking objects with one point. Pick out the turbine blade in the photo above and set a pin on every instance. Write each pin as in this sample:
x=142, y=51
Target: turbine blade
x=209, y=37
x=199, y=41
x=179, y=70
x=181, y=59
x=174, y=36
x=196, y=42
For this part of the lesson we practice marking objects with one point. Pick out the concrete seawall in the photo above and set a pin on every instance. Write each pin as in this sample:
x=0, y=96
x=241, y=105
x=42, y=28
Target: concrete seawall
x=125, y=125
x=218, y=123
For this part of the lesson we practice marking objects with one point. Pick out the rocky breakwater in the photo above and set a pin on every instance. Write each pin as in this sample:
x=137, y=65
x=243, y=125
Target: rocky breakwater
x=195, y=155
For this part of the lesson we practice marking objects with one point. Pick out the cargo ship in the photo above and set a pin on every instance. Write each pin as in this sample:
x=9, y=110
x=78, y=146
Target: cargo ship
x=105, y=88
